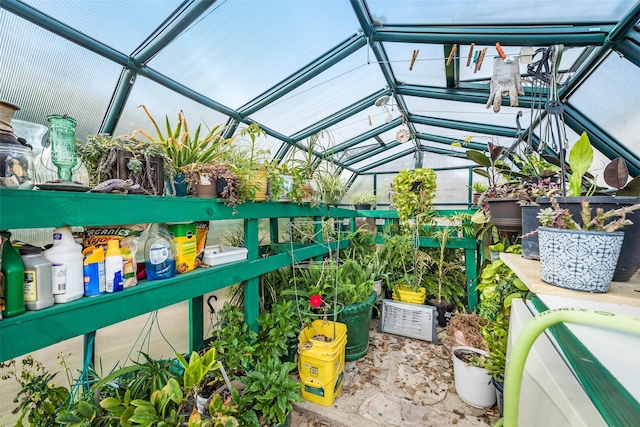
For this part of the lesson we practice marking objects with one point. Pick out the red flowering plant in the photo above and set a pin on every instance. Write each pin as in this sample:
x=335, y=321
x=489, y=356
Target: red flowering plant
x=315, y=301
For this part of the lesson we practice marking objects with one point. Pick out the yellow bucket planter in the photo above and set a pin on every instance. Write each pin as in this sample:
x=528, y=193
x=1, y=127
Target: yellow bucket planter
x=405, y=294
x=321, y=364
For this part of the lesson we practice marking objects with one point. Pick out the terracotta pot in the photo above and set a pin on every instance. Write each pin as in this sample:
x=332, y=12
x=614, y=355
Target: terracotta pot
x=205, y=191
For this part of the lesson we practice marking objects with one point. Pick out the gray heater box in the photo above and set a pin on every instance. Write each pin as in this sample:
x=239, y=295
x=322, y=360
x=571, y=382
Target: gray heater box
x=409, y=320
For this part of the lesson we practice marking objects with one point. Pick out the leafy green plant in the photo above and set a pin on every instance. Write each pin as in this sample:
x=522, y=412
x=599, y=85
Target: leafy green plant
x=495, y=335
x=234, y=340
x=221, y=414
x=196, y=370
x=275, y=328
x=39, y=397
x=269, y=393
x=414, y=191
x=332, y=188
x=184, y=148
x=363, y=198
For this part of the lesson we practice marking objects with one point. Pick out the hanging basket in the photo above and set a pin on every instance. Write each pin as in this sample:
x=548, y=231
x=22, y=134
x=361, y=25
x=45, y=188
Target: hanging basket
x=506, y=214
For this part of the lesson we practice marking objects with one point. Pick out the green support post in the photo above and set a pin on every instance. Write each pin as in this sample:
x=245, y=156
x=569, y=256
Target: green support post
x=196, y=331
x=251, y=295
x=352, y=224
x=274, y=231
x=472, y=275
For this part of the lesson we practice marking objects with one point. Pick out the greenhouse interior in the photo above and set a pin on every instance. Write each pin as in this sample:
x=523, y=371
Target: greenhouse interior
x=319, y=213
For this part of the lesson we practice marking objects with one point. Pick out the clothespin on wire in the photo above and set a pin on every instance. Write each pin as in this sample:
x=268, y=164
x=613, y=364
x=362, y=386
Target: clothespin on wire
x=480, y=59
x=453, y=51
x=413, y=58
x=470, y=57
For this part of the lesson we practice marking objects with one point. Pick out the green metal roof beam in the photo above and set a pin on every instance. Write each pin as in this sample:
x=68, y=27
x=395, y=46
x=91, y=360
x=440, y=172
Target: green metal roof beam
x=452, y=71
x=461, y=94
x=364, y=136
x=442, y=151
x=601, y=140
x=339, y=116
x=305, y=74
x=365, y=155
x=465, y=126
x=514, y=35
x=118, y=100
x=630, y=50
x=184, y=18
x=387, y=160
x=56, y=27
x=617, y=34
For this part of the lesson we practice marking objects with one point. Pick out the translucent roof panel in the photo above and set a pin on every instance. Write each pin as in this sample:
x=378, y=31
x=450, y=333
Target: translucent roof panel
x=344, y=84
x=405, y=162
x=434, y=161
x=466, y=111
x=364, y=121
x=610, y=97
x=388, y=153
x=234, y=54
x=460, y=151
x=428, y=68
x=162, y=102
x=478, y=12
x=123, y=27
x=369, y=144
x=46, y=74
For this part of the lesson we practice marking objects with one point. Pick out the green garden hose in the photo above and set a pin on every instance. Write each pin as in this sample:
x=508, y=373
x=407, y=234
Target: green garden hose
x=529, y=334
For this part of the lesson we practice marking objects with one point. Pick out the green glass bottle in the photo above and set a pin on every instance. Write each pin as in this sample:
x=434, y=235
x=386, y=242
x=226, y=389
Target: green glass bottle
x=13, y=284
x=62, y=132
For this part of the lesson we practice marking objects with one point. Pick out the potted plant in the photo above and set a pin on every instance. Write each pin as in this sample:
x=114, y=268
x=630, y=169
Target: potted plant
x=332, y=188
x=407, y=264
x=582, y=187
x=201, y=178
x=414, y=191
x=268, y=395
x=363, y=200
x=472, y=381
x=304, y=164
x=445, y=288
x=581, y=256
x=184, y=148
x=144, y=162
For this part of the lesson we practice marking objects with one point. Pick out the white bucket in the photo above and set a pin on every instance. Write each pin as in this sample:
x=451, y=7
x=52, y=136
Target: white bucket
x=473, y=384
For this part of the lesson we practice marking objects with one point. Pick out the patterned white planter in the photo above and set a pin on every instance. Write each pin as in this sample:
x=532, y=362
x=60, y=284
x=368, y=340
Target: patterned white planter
x=579, y=260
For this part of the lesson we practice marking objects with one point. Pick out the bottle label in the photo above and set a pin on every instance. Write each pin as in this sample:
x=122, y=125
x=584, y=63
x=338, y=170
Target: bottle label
x=59, y=276
x=114, y=283
x=30, y=293
x=158, y=254
x=57, y=236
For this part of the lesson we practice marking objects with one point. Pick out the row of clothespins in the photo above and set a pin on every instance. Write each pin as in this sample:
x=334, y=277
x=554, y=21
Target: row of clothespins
x=474, y=59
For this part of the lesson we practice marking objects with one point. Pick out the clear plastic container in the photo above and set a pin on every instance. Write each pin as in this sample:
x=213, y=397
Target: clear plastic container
x=160, y=262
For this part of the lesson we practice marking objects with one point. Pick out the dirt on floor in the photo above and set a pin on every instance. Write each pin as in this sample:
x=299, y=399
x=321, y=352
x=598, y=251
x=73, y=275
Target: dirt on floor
x=399, y=382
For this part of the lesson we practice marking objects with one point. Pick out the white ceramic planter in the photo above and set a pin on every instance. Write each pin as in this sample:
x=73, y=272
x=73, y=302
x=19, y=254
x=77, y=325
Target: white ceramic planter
x=579, y=260
x=473, y=384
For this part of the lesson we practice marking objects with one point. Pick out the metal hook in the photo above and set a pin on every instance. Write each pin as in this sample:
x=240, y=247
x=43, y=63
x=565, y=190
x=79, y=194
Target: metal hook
x=211, y=309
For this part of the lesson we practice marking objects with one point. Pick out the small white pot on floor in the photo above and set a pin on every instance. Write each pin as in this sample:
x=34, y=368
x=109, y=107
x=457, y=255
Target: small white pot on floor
x=473, y=384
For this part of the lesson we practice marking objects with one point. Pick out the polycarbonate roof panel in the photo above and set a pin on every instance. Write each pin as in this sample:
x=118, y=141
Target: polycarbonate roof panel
x=344, y=84
x=435, y=160
x=241, y=49
x=610, y=97
x=364, y=121
x=428, y=68
x=387, y=153
x=162, y=102
x=123, y=25
x=46, y=74
x=463, y=12
x=466, y=111
x=405, y=162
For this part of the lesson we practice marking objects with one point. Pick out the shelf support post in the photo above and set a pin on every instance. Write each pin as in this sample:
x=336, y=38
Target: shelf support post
x=251, y=294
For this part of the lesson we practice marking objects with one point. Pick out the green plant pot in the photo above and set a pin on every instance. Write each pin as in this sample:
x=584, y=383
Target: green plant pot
x=357, y=317
x=287, y=421
x=292, y=354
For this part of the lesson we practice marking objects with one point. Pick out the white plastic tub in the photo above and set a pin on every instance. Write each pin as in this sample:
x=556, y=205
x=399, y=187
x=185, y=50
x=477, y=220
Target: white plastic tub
x=220, y=254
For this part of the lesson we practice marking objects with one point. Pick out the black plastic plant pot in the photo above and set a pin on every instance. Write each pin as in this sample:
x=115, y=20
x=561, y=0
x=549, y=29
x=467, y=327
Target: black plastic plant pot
x=363, y=207
x=530, y=222
x=220, y=184
x=444, y=312
x=629, y=260
x=506, y=214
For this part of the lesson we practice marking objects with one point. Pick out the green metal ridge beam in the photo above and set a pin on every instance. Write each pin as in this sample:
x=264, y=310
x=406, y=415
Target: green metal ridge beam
x=364, y=136
x=388, y=159
x=623, y=27
x=514, y=35
x=48, y=23
x=461, y=94
x=373, y=152
x=601, y=140
x=305, y=74
x=630, y=50
x=118, y=101
x=182, y=21
x=340, y=115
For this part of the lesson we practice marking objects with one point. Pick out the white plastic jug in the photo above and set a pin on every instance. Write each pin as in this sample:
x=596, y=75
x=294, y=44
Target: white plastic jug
x=66, y=259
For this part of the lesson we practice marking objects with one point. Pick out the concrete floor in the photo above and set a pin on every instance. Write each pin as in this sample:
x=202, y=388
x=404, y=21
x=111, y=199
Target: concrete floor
x=399, y=382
